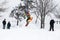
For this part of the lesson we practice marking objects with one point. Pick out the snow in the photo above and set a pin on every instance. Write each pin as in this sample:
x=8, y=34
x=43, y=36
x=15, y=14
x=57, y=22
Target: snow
x=31, y=32
x=28, y=34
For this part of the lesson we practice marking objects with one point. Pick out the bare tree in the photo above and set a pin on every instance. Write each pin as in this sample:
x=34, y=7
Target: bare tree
x=18, y=13
x=43, y=7
x=57, y=13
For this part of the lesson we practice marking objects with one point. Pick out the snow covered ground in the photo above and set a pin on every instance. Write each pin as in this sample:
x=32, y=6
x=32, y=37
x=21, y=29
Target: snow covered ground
x=31, y=32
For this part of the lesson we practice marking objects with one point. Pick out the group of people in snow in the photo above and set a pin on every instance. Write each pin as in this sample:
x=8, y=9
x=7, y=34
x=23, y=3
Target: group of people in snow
x=29, y=19
x=8, y=24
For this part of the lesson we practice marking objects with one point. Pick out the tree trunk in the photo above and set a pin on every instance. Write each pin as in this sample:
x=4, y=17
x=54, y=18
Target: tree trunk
x=17, y=22
x=36, y=19
x=42, y=22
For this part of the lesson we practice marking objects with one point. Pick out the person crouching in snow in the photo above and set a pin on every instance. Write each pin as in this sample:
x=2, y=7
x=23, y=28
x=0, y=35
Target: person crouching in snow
x=29, y=19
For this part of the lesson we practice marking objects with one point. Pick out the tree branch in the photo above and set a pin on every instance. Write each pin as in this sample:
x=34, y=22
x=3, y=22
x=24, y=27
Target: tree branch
x=50, y=10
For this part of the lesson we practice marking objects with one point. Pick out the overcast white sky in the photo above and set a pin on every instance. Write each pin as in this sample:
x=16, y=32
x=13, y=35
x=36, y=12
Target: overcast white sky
x=13, y=3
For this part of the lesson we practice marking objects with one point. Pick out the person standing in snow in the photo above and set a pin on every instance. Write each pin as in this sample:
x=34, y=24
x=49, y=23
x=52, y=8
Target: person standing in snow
x=8, y=25
x=52, y=25
x=29, y=18
x=4, y=23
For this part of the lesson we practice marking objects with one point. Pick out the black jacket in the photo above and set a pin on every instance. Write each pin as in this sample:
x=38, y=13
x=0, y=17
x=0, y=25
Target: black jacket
x=8, y=25
x=4, y=22
x=52, y=22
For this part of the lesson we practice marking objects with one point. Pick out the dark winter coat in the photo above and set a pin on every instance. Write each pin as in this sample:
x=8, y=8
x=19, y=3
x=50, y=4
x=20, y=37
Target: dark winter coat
x=52, y=22
x=8, y=25
x=4, y=22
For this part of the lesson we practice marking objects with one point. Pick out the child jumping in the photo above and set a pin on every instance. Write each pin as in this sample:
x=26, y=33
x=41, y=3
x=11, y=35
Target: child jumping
x=29, y=19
